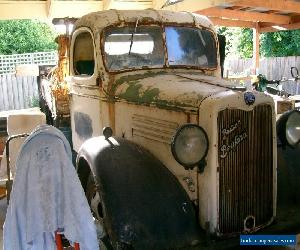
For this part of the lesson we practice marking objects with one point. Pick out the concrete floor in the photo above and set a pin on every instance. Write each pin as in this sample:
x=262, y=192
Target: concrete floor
x=3, y=207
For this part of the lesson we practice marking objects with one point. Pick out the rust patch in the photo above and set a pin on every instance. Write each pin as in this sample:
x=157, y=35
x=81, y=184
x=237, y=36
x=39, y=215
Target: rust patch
x=110, y=86
x=188, y=118
x=128, y=78
x=112, y=115
x=163, y=89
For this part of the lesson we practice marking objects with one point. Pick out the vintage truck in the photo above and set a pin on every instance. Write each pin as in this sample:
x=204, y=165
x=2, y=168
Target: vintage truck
x=185, y=156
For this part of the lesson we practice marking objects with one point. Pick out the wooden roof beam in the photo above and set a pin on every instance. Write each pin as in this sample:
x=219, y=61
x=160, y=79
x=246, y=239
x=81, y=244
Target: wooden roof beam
x=278, y=5
x=272, y=27
x=107, y=4
x=125, y=5
x=49, y=7
x=190, y=5
x=235, y=7
x=295, y=19
x=245, y=16
x=271, y=12
x=232, y=23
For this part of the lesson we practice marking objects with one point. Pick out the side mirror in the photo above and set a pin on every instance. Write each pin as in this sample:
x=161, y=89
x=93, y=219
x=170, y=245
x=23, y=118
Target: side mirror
x=288, y=128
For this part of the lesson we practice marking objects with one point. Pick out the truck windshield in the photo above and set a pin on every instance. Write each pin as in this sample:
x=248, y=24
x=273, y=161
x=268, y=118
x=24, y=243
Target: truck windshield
x=133, y=47
x=142, y=46
x=191, y=47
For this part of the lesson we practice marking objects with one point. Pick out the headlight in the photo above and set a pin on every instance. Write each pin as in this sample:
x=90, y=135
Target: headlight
x=288, y=128
x=293, y=128
x=189, y=145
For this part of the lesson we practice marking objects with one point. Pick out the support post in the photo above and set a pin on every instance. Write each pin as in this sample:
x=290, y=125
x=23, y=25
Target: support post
x=256, y=33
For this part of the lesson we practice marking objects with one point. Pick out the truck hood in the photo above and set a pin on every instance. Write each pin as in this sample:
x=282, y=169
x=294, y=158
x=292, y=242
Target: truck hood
x=169, y=90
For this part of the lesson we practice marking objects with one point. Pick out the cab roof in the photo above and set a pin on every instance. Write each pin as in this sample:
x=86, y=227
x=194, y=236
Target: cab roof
x=97, y=21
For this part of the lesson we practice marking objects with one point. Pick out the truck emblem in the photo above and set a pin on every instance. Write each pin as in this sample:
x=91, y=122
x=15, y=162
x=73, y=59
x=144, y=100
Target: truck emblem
x=237, y=138
x=249, y=98
x=233, y=127
x=226, y=148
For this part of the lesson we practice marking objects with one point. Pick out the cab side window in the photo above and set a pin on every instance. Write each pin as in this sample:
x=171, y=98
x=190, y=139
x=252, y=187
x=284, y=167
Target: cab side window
x=83, y=54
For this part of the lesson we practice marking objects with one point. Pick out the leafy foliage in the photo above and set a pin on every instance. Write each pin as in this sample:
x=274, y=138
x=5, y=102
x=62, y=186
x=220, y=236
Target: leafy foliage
x=282, y=43
x=26, y=36
x=245, y=46
x=231, y=41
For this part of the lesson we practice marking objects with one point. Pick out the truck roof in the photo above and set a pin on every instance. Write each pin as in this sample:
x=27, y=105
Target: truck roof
x=97, y=21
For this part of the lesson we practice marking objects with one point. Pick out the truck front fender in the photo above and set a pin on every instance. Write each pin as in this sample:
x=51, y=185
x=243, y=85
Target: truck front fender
x=145, y=206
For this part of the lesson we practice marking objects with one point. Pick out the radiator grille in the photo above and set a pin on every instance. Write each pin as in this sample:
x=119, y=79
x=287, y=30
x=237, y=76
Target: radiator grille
x=245, y=168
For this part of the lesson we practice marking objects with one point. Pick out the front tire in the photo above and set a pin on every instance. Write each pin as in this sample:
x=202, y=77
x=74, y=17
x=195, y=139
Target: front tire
x=96, y=205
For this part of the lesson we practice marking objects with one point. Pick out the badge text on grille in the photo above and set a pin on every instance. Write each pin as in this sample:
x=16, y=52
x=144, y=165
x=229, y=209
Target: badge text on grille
x=233, y=131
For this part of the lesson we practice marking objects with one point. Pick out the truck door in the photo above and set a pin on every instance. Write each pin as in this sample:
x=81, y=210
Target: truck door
x=85, y=93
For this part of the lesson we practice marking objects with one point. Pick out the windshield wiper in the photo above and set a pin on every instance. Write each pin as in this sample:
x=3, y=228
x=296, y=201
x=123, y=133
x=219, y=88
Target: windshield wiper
x=131, y=39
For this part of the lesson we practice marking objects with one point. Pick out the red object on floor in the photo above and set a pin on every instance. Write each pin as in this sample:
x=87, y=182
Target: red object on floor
x=76, y=246
x=58, y=241
x=59, y=245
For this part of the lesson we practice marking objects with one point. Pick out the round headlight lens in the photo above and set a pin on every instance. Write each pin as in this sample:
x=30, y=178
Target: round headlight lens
x=189, y=145
x=293, y=128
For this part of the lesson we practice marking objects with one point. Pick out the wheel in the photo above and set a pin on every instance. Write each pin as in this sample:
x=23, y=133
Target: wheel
x=96, y=206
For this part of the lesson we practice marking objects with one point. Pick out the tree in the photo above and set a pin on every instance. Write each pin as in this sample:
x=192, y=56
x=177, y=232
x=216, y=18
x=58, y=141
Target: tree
x=245, y=46
x=281, y=43
x=238, y=41
x=26, y=36
x=231, y=35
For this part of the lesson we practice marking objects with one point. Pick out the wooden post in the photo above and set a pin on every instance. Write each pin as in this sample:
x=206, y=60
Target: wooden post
x=256, y=33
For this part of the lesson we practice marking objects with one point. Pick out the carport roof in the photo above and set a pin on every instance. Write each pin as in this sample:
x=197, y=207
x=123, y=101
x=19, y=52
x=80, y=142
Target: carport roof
x=268, y=15
x=48, y=9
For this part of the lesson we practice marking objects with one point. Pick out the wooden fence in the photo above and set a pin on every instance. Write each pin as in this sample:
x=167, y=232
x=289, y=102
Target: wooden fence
x=8, y=62
x=271, y=67
x=274, y=68
x=18, y=92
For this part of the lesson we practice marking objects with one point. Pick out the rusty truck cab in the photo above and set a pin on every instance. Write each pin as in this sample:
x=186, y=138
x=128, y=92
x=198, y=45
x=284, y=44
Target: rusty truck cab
x=183, y=149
